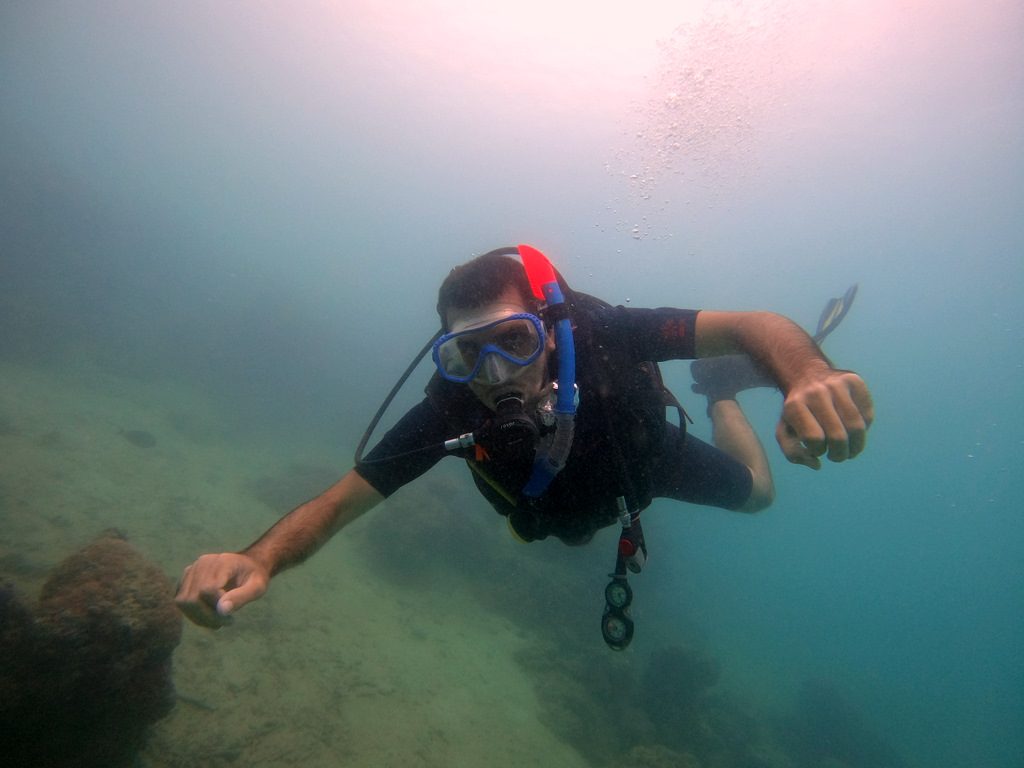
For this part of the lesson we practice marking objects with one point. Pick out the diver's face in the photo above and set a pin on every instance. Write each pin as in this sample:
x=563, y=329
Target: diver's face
x=498, y=377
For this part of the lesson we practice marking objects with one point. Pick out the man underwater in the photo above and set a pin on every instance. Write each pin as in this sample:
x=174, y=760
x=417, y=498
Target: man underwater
x=555, y=401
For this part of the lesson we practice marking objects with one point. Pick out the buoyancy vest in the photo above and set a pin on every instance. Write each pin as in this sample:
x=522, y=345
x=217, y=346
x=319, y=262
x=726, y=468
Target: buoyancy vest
x=620, y=430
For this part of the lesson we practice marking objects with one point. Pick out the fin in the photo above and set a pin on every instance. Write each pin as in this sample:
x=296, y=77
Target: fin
x=835, y=310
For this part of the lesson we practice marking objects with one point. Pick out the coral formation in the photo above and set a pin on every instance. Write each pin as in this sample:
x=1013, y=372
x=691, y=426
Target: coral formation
x=88, y=670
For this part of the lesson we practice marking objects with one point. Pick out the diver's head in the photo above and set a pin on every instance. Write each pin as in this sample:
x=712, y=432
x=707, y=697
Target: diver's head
x=495, y=343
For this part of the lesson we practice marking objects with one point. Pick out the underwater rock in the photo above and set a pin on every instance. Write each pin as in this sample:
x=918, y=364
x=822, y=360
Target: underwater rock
x=89, y=670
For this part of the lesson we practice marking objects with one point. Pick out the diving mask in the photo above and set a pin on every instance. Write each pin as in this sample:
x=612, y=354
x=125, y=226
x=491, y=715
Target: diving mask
x=492, y=351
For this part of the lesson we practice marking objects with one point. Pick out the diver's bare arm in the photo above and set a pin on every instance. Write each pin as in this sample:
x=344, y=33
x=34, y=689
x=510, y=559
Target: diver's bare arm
x=778, y=344
x=825, y=409
x=304, y=530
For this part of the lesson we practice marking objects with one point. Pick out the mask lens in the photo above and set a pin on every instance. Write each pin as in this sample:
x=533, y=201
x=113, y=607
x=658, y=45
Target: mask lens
x=517, y=339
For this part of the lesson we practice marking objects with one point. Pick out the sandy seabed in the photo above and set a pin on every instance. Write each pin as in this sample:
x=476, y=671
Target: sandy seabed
x=334, y=666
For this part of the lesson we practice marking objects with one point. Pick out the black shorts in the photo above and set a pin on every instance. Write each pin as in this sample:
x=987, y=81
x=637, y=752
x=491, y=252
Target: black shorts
x=686, y=469
x=689, y=469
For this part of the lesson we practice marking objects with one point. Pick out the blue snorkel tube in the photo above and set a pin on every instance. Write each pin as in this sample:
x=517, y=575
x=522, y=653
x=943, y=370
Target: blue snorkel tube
x=545, y=288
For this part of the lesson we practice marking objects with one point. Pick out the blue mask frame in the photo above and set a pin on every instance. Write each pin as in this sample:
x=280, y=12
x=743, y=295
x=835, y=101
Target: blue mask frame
x=488, y=349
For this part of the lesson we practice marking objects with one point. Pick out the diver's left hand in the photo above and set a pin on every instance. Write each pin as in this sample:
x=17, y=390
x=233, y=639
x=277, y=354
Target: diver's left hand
x=830, y=411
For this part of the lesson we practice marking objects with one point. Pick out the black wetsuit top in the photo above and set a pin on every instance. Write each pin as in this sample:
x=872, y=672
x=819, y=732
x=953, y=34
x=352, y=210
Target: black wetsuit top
x=623, y=444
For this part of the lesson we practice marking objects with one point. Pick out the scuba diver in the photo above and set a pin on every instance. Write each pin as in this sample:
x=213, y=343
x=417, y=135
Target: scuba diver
x=555, y=401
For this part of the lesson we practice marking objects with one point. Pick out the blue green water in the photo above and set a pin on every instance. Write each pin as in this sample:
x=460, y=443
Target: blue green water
x=260, y=201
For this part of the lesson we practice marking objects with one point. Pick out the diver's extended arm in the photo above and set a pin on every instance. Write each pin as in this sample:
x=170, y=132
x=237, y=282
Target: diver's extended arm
x=777, y=344
x=216, y=585
x=303, y=531
x=825, y=409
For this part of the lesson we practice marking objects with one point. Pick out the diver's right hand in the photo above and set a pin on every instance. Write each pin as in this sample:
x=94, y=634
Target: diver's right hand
x=215, y=586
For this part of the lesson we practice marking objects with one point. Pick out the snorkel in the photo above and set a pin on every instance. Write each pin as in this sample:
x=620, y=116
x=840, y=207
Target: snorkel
x=545, y=288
